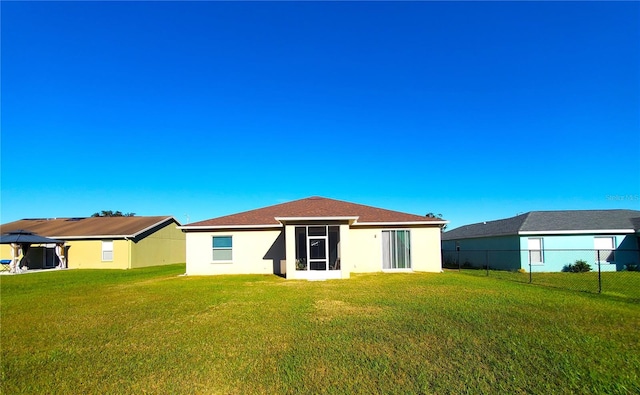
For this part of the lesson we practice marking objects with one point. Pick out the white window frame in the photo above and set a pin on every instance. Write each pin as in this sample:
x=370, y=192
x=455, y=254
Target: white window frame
x=107, y=248
x=604, y=257
x=213, y=249
x=387, y=251
x=540, y=249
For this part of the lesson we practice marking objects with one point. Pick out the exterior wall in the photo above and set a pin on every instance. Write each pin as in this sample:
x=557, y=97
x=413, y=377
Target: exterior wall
x=500, y=252
x=624, y=258
x=5, y=251
x=511, y=252
x=263, y=251
x=290, y=251
x=425, y=249
x=573, y=247
x=163, y=247
x=253, y=252
x=87, y=254
x=347, y=251
x=366, y=249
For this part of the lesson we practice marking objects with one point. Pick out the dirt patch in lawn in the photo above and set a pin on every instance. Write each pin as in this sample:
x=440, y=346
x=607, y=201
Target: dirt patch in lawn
x=331, y=309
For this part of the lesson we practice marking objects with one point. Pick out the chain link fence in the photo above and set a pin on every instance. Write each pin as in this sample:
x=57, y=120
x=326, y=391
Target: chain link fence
x=612, y=272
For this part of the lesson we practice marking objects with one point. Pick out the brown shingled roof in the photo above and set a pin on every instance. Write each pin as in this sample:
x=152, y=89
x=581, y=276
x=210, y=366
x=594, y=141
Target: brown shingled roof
x=312, y=207
x=87, y=227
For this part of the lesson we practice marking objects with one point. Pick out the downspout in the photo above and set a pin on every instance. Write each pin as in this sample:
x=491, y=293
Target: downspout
x=128, y=252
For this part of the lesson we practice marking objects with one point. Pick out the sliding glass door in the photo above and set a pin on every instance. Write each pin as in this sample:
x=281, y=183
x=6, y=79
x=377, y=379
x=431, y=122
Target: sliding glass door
x=396, y=249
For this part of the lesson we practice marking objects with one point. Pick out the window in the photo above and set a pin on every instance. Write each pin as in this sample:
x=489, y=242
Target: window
x=107, y=250
x=222, y=246
x=534, y=246
x=604, y=249
x=396, y=249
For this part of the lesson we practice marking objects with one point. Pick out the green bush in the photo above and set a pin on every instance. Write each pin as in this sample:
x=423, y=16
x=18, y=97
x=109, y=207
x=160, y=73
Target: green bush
x=580, y=266
x=633, y=268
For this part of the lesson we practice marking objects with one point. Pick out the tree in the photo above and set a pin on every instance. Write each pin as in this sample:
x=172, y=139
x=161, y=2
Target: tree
x=109, y=213
x=437, y=216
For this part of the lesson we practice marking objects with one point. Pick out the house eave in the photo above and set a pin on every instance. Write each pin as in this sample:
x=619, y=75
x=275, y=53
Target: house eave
x=576, y=232
x=216, y=227
x=350, y=219
x=94, y=237
x=401, y=223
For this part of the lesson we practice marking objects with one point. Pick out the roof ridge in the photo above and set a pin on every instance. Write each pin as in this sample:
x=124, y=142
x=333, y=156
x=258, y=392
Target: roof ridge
x=584, y=210
x=526, y=215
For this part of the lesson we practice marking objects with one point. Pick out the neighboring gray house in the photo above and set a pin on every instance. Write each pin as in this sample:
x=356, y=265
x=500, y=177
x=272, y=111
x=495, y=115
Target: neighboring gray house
x=546, y=241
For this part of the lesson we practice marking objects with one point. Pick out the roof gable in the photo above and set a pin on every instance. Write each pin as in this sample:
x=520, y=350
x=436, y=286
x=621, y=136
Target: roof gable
x=90, y=227
x=313, y=207
x=565, y=221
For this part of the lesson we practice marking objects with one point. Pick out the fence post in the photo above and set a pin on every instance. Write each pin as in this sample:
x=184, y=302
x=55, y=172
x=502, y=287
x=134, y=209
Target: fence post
x=486, y=260
x=459, y=267
x=599, y=273
x=530, y=274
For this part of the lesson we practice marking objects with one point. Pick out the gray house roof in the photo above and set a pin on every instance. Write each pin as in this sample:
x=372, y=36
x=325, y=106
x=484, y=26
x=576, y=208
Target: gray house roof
x=552, y=222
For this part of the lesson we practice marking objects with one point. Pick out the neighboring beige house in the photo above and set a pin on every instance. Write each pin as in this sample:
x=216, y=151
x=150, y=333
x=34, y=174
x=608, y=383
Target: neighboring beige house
x=314, y=238
x=103, y=242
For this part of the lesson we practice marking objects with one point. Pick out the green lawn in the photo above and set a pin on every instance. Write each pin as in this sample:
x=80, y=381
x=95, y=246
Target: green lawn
x=152, y=331
x=624, y=285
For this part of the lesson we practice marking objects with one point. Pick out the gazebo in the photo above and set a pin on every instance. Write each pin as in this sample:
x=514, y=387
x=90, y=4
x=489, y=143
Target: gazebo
x=21, y=240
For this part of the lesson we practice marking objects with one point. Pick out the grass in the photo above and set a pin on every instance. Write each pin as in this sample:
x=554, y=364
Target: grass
x=625, y=285
x=152, y=331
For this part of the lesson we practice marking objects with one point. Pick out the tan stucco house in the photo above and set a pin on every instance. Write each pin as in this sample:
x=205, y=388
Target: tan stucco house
x=101, y=242
x=313, y=238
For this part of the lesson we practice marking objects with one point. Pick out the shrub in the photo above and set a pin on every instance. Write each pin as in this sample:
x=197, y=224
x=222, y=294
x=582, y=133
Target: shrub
x=468, y=265
x=633, y=268
x=450, y=263
x=580, y=266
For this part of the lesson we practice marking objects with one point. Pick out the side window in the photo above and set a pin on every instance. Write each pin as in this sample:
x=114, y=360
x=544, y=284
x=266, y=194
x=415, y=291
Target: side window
x=604, y=249
x=534, y=245
x=222, y=248
x=107, y=250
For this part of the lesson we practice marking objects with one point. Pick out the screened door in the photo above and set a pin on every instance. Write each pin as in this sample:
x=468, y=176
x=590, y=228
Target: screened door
x=317, y=253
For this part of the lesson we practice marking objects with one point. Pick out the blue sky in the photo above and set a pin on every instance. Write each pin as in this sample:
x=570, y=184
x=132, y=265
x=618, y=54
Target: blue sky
x=475, y=110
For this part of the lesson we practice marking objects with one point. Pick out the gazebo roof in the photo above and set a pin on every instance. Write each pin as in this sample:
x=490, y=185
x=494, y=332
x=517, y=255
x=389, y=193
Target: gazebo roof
x=25, y=237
